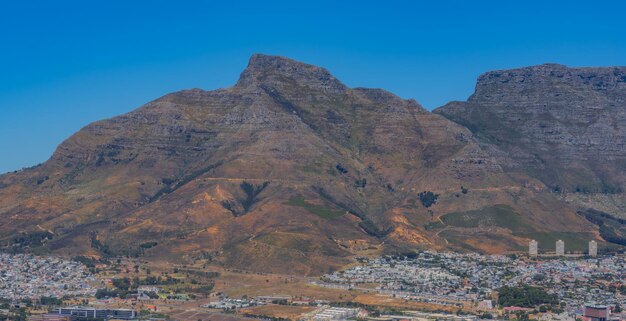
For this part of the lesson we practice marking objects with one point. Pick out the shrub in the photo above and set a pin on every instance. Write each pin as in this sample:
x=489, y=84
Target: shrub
x=341, y=169
x=360, y=183
x=50, y=300
x=122, y=283
x=33, y=239
x=428, y=198
x=106, y=293
x=148, y=245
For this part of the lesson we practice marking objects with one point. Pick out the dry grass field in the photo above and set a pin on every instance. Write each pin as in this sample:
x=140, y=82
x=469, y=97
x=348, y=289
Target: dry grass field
x=386, y=301
x=236, y=284
x=278, y=311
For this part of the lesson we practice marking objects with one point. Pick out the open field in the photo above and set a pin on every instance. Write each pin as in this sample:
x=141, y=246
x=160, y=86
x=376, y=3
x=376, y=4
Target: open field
x=397, y=303
x=196, y=314
x=278, y=311
x=236, y=284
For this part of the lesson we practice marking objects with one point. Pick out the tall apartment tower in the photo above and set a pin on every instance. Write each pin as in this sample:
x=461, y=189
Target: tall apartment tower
x=533, y=248
x=560, y=248
x=593, y=248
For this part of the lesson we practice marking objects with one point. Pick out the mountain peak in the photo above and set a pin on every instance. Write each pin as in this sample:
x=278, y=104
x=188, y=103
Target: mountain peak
x=549, y=78
x=267, y=69
x=262, y=61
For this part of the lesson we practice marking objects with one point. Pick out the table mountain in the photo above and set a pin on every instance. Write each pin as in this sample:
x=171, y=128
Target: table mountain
x=287, y=171
x=564, y=126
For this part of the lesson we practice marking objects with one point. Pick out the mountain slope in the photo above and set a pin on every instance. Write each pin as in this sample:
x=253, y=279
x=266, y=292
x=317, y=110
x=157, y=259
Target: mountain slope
x=564, y=126
x=287, y=171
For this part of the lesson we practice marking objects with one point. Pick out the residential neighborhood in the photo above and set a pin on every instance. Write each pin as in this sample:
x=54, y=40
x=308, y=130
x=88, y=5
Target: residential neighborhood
x=458, y=279
x=457, y=287
x=28, y=276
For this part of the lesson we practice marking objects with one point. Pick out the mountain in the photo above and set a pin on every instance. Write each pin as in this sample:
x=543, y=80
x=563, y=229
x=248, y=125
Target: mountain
x=563, y=126
x=287, y=171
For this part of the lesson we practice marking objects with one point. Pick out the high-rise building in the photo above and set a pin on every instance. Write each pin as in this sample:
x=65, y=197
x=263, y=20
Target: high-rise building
x=560, y=247
x=593, y=248
x=533, y=248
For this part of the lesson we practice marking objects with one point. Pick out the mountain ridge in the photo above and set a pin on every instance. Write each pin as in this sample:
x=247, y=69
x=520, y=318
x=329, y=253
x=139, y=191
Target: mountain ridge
x=289, y=169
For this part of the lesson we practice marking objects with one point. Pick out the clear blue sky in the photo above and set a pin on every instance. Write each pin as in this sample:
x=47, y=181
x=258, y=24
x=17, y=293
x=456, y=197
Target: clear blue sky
x=65, y=64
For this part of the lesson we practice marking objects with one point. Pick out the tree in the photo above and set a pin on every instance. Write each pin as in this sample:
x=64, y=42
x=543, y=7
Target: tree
x=428, y=198
x=122, y=283
x=526, y=296
x=49, y=300
x=106, y=293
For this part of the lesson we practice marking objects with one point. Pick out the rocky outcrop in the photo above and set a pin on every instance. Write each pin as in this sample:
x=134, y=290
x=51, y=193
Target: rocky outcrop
x=565, y=126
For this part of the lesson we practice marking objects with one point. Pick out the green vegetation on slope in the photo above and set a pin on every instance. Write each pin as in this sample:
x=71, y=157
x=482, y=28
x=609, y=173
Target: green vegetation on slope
x=612, y=229
x=467, y=241
x=32, y=239
x=319, y=210
x=252, y=191
x=491, y=216
x=173, y=184
x=504, y=216
x=574, y=241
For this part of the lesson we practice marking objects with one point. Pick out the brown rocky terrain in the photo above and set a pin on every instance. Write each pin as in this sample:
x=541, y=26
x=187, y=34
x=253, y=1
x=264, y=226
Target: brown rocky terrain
x=564, y=126
x=291, y=171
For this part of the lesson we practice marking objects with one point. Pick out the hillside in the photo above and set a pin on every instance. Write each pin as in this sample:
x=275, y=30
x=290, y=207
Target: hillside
x=287, y=171
x=563, y=126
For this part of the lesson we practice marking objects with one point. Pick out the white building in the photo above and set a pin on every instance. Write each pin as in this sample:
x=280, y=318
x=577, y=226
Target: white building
x=593, y=248
x=560, y=247
x=331, y=313
x=148, y=288
x=533, y=248
x=485, y=305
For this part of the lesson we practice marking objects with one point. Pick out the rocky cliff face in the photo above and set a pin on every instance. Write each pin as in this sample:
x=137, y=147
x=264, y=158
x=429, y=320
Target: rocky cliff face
x=565, y=126
x=287, y=171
